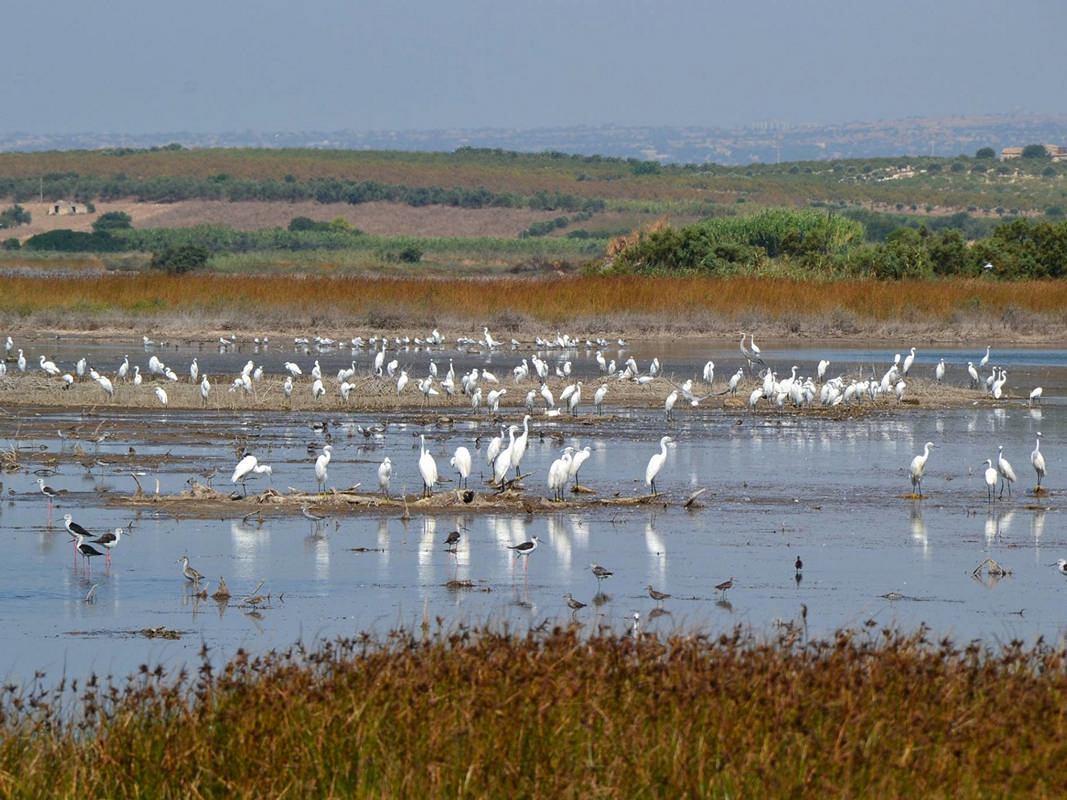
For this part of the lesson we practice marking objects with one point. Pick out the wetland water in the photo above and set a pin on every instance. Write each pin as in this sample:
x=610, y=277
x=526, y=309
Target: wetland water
x=778, y=485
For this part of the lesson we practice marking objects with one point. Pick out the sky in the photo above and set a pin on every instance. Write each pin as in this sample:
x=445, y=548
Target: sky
x=214, y=66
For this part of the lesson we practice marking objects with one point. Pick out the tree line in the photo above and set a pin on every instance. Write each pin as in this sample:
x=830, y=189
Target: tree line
x=809, y=243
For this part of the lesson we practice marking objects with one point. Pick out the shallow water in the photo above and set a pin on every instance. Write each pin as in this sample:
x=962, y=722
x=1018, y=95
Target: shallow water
x=777, y=486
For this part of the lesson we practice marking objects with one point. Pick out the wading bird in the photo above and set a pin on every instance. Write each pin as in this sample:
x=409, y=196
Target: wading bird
x=918, y=467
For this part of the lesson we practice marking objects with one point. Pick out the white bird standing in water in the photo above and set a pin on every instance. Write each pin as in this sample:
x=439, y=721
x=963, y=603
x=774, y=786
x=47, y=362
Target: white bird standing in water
x=161, y=395
x=655, y=464
x=939, y=371
x=385, y=474
x=990, y=480
x=427, y=468
x=1005, y=470
x=1038, y=461
x=246, y=466
x=461, y=461
x=205, y=388
x=321, y=463
x=918, y=467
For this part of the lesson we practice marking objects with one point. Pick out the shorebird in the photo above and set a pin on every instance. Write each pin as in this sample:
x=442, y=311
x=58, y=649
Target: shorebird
x=109, y=541
x=574, y=605
x=47, y=491
x=452, y=541
x=247, y=465
x=88, y=552
x=798, y=564
x=1061, y=565
x=525, y=549
x=311, y=515
x=724, y=587
x=659, y=597
x=190, y=573
x=600, y=573
x=1038, y=461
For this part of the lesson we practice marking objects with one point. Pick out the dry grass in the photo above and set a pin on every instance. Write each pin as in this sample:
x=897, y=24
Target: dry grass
x=870, y=713
x=943, y=310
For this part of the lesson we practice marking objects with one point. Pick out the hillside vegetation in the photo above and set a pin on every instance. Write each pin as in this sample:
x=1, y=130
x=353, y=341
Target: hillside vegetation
x=875, y=218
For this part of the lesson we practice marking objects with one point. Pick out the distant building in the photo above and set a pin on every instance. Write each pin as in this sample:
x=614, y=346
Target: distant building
x=1055, y=152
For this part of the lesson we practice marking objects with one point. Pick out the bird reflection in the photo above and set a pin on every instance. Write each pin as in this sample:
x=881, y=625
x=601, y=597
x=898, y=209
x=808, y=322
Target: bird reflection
x=725, y=605
x=1037, y=525
x=918, y=528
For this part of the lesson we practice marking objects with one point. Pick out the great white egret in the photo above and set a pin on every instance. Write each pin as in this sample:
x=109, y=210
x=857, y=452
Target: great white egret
x=939, y=371
x=655, y=464
x=461, y=461
x=248, y=465
x=918, y=467
x=975, y=380
x=908, y=361
x=427, y=468
x=577, y=459
x=1005, y=470
x=518, y=450
x=502, y=463
x=321, y=464
x=1038, y=460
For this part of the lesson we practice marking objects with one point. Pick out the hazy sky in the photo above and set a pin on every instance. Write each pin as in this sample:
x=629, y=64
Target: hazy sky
x=270, y=65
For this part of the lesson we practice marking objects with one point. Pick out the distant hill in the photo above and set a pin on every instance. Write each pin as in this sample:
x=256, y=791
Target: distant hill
x=766, y=142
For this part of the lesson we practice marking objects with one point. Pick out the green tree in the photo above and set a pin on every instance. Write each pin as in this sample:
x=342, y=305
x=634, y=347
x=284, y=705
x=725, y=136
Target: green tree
x=1036, y=151
x=14, y=216
x=985, y=152
x=113, y=221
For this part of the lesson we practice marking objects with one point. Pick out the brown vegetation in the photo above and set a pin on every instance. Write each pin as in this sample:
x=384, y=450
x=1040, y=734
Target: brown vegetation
x=560, y=714
x=944, y=311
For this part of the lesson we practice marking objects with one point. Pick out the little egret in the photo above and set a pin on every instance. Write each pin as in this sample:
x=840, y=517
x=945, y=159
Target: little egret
x=990, y=480
x=939, y=371
x=385, y=474
x=248, y=465
x=655, y=464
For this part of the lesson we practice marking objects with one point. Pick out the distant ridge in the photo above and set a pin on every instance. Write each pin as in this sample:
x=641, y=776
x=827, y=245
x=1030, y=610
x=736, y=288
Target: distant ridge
x=761, y=142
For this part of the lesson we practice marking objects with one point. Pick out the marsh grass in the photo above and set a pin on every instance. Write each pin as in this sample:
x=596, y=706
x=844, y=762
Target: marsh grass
x=558, y=714
x=264, y=302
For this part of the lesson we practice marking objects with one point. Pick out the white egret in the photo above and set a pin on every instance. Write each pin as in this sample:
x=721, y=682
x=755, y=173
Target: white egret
x=939, y=371
x=557, y=476
x=668, y=404
x=194, y=371
x=105, y=384
x=502, y=463
x=918, y=467
x=821, y=369
x=321, y=463
x=205, y=388
x=1038, y=461
x=655, y=464
x=990, y=480
x=21, y=362
x=248, y=465
x=909, y=359
x=137, y=379
x=579, y=458
x=975, y=380
x=1035, y=396
x=49, y=367
x=461, y=461
x=518, y=449
x=287, y=387
x=401, y=382
x=598, y=398
x=385, y=474
x=1007, y=474
x=161, y=395
x=427, y=468
x=293, y=369
x=493, y=450
x=124, y=368
x=317, y=388
x=575, y=399
x=752, y=345
x=985, y=358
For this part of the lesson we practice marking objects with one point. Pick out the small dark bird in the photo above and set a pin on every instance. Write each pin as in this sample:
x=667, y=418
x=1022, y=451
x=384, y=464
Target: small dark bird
x=573, y=604
x=600, y=573
x=799, y=564
x=725, y=586
x=452, y=540
x=659, y=597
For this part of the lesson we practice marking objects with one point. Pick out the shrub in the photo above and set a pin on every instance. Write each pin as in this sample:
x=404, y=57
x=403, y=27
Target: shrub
x=180, y=259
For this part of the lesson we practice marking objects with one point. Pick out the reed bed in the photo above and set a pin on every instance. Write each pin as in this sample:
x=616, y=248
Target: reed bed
x=558, y=714
x=609, y=303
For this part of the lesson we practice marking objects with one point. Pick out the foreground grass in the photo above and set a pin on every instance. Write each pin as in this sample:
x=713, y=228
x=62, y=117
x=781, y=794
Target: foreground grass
x=634, y=304
x=871, y=713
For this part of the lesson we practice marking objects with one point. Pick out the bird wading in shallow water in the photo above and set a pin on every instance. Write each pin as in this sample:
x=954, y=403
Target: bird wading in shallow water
x=918, y=467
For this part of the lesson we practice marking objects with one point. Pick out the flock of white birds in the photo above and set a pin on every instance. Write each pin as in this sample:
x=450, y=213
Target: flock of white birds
x=480, y=388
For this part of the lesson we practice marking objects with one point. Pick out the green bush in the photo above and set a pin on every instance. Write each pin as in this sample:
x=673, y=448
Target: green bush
x=113, y=221
x=181, y=259
x=14, y=216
